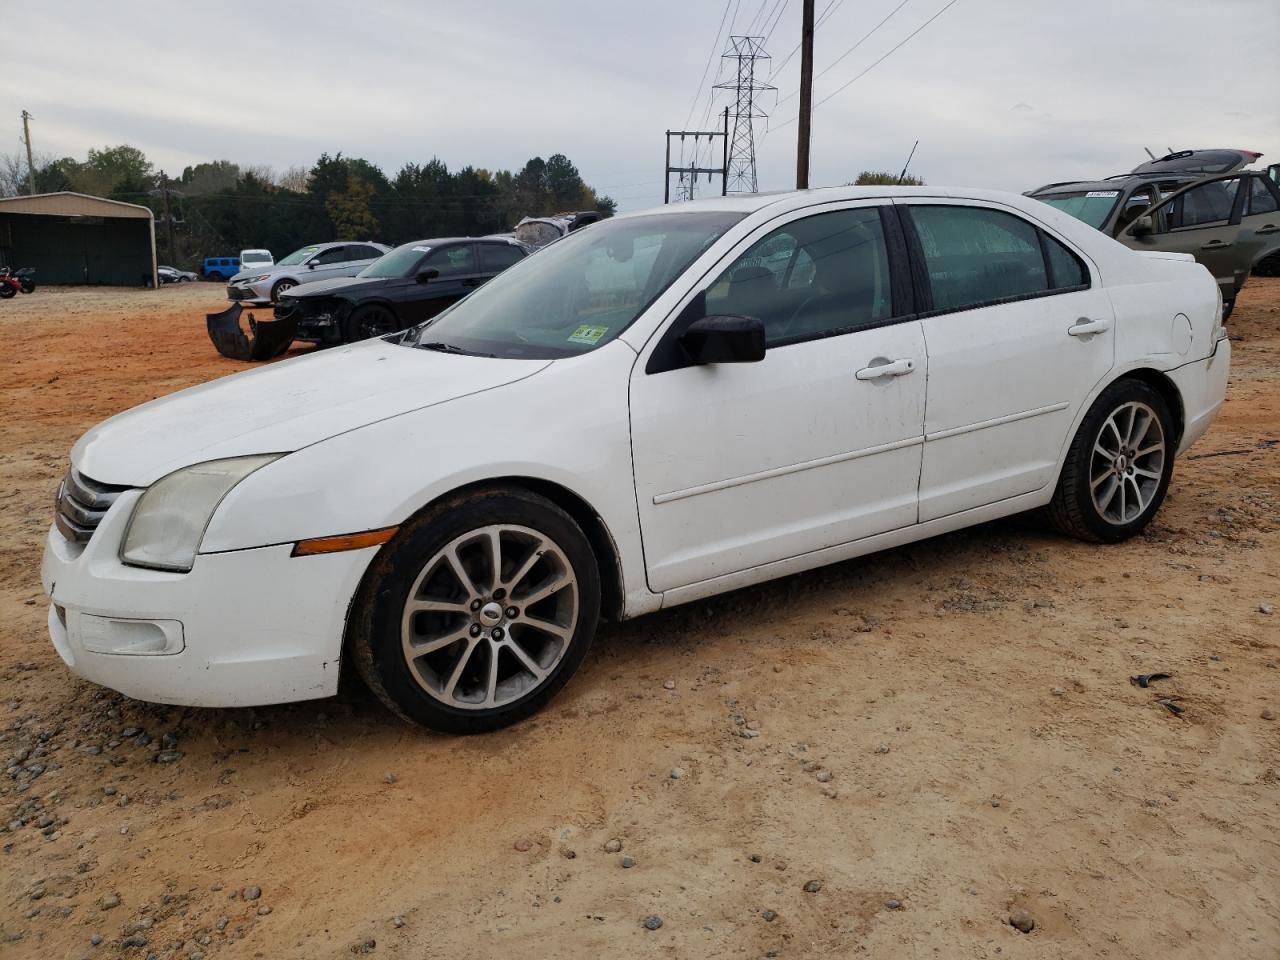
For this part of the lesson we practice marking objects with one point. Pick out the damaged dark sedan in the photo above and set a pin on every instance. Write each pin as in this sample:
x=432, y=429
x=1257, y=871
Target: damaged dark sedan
x=407, y=286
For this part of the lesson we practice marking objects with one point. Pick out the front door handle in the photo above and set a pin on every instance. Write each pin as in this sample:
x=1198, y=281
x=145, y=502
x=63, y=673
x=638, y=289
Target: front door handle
x=882, y=367
x=474, y=281
x=1267, y=228
x=1217, y=245
x=1084, y=327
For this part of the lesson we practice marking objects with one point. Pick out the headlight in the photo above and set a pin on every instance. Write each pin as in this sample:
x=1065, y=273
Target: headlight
x=169, y=520
x=257, y=279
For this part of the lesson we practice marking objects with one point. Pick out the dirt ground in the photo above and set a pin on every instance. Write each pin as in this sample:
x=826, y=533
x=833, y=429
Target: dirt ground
x=969, y=698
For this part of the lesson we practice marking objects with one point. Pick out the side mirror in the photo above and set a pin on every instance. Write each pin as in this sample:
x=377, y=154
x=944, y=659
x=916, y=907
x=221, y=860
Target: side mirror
x=427, y=275
x=724, y=339
x=311, y=266
x=1143, y=226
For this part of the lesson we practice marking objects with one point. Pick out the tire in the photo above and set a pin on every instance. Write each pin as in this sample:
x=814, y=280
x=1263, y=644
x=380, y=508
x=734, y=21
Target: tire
x=1116, y=473
x=374, y=320
x=1227, y=307
x=7, y=291
x=280, y=287
x=450, y=686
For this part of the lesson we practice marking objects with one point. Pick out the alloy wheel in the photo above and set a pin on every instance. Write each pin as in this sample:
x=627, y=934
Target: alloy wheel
x=1128, y=463
x=489, y=617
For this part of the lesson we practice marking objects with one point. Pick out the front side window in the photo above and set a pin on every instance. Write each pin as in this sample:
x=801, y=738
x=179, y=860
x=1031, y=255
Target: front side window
x=974, y=255
x=1208, y=203
x=332, y=255
x=580, y=292
x=452, y=261
x=824, y=274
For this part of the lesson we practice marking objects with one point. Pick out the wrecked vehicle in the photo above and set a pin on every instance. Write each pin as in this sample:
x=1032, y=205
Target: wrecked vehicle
x=409, y=285
x=670, y=405
x=320, y=261
x=1230, y=223
x=536, y=232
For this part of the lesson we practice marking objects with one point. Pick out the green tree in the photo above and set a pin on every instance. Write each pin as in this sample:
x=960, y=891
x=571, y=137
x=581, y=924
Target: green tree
x=350, y=212
x=107, y=169
x=876, y=178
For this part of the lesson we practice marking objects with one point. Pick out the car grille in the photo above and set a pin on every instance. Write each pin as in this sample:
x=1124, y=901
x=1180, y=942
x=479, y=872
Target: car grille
x=81, y=505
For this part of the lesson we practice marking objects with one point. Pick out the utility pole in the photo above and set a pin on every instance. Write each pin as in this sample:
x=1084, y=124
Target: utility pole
x=168, y=219
x=747, y=52
x=26, y=137
x=693, y=169
x=806, y=97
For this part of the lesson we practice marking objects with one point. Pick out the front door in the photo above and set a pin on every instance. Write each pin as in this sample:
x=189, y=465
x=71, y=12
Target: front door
x=1018, y=334
x=742, y=464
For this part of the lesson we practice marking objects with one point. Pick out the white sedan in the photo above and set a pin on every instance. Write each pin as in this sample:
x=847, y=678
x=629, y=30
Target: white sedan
x=664, y=407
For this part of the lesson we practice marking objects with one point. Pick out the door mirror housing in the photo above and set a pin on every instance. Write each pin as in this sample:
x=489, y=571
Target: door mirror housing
x=1143, y=226
x=427, y=275
x=311, y=265
x=724, y=338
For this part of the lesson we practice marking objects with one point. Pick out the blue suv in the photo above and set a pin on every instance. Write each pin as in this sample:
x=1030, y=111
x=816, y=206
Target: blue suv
x=220, y=268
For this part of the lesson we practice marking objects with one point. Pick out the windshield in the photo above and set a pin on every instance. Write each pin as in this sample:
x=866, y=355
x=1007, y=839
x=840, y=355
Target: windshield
x=255, y=258
x=1092, y=206
x=400, y=262
x=296, y=257
x=577, y=294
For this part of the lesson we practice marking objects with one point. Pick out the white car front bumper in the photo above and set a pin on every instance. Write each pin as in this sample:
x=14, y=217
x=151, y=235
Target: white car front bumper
x=242, y=628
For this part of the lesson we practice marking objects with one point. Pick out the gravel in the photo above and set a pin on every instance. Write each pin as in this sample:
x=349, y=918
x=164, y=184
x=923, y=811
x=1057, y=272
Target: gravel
x=652, y=922
x=613, y=846
x=677, y=773
x=109, y=902
x=628, y=863
x=1022, y=921
x=251, y=893
x=813, y=886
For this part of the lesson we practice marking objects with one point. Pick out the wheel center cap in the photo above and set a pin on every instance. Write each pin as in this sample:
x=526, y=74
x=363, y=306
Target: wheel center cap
x=491, y=614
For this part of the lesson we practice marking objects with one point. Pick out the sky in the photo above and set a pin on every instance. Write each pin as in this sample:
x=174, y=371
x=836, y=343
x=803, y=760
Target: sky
x=1005, y=94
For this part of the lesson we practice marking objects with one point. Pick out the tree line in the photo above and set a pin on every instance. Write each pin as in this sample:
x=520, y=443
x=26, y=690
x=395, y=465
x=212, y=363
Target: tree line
x=220, y=207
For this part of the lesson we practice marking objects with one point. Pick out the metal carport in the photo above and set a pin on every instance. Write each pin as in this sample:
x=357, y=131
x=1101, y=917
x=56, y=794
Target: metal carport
x=75, y=238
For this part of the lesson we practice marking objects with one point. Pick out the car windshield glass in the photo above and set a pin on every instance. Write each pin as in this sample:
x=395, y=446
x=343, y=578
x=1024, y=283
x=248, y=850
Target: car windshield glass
x=255, y=258
x=296, y=257
x=1091, y=206
x=400, y=262
x=577, y=294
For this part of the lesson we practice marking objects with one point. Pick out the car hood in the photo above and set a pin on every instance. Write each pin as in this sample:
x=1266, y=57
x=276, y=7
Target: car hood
x=329, y=288
x=283, y=407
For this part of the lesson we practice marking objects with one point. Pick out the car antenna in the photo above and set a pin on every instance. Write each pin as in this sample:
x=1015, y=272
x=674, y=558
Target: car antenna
x=1149, y=153
x=903, y=175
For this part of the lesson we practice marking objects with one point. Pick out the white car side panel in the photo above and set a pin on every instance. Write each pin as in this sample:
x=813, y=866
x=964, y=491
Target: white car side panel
x=743, y=464
x=570, y=430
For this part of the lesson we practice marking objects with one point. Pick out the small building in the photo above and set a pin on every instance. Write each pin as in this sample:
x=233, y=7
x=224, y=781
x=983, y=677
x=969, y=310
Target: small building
x=74, y=238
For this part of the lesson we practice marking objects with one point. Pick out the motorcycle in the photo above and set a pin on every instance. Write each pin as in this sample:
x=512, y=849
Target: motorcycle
x=16, y=281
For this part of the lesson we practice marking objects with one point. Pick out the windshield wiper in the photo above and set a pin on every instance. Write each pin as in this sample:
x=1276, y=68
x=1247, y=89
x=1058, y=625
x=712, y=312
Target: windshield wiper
x=453, y=348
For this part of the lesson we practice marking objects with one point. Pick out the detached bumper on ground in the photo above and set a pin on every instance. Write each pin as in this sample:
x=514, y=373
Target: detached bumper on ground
x=214, y=637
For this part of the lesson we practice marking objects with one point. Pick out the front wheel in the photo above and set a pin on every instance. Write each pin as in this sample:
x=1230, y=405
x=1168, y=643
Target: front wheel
x=280, y=289
x=477, y=612
x=374, y=320
x=1118, y=466
x=6, y=291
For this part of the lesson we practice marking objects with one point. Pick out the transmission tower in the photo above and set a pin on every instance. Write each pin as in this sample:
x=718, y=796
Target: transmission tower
x=744, y=53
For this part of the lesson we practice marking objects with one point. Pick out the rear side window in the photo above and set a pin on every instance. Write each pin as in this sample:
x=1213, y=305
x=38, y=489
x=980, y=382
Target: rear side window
x=1261, y=199
x=974, y=255
x=496, y=257
x=332, y=255
x=1066, y=270
x=363, y=253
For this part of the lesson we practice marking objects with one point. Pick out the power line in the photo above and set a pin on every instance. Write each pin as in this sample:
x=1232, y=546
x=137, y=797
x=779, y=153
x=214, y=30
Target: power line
x=877, y=63
x=826, y=11
x=866, y=36
x=779, y=10
x=715, y=45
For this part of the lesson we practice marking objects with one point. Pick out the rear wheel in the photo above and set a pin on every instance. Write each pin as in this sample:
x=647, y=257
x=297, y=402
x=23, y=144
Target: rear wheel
x=477, y=612
x=1118, y=467
x=374, y=320
x=1227, y=307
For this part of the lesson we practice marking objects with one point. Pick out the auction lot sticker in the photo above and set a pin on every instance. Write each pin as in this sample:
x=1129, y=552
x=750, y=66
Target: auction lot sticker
x=588, y=333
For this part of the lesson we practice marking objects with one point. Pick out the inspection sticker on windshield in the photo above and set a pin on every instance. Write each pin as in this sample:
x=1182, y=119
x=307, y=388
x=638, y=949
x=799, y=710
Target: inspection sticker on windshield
x=589, y=334
x=422, y=249
x=1101, y=193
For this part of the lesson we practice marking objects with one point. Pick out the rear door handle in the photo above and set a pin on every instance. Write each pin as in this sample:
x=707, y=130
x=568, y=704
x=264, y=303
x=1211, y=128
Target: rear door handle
x=1217, y=245
x=1084, y=327
x=1267, y=228
x=880, y=368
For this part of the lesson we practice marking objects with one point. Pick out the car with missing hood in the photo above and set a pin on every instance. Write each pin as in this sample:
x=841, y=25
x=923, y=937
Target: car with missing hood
x=409, y=285
x=670, y=405
x=318, y=261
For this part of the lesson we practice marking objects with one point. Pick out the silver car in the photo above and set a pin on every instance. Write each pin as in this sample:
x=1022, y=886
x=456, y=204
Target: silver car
x=320, y=261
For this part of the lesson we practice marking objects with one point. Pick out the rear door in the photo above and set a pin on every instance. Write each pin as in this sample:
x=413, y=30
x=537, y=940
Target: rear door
x=496, y=257
x=1260, y=224
x=1018, y=332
